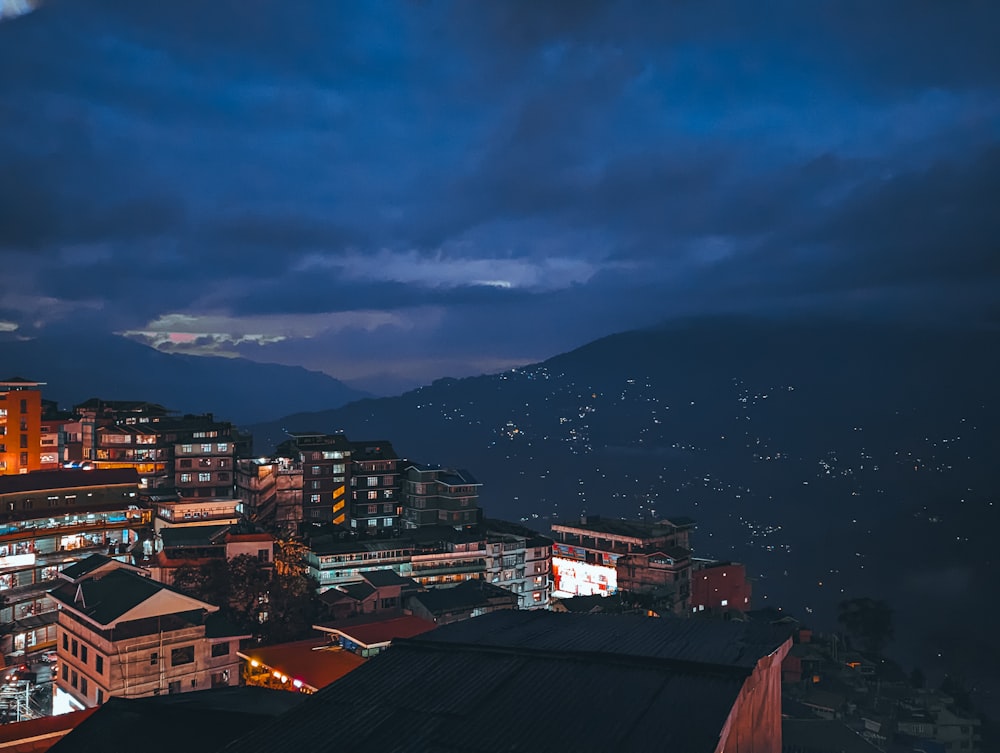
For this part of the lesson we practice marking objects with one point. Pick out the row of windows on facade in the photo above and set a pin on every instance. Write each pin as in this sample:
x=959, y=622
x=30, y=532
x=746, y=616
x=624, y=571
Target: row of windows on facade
x=24, y=444
x=3, y=427
x=24, y=408
x=204, y=463
x=188, y=477
x=178, y=656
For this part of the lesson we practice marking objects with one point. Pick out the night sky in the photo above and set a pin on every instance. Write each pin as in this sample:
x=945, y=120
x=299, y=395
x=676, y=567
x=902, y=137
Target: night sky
x=394, y=192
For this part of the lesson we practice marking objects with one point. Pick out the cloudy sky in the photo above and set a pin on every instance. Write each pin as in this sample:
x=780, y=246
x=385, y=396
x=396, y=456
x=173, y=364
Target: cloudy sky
x=393, y=192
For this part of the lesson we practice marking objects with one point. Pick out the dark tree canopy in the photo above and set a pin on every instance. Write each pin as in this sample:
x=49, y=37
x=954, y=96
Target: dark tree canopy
x=868, y=622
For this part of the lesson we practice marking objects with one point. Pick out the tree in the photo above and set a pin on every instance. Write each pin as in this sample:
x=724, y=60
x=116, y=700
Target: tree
x=867, y=620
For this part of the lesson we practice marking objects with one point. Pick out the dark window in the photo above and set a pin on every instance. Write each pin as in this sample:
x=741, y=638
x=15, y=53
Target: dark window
x=99, y=663
x=220, y=679
x=100, y=696
x=154, y=658
x=220, y=649
x=65, y=642
x=174, y=687
x=83, y=685
x=182, y=655
x=263, y=555
x=83, y=654
x=76, y=647
x=24, y=441
x=65, y=670
x=75, y=678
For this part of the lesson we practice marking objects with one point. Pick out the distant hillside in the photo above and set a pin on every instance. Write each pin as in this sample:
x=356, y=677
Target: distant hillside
x=114, y=368
x=835, y=459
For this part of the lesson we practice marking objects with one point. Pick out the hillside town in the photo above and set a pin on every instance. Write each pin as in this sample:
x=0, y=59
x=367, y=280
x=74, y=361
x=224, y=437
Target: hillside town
x=149, y=560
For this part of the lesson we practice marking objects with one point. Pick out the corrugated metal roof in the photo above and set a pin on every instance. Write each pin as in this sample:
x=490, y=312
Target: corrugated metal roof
x=465, y=687
x=738, y=644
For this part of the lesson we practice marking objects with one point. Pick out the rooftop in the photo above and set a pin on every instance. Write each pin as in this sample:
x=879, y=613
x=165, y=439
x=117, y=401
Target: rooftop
x=466, y=595
x=314, y=661
x=40, y=481
x=199, y=722
x=375, y=631
x=111, y=598
x=462, y=686
x=637, y=529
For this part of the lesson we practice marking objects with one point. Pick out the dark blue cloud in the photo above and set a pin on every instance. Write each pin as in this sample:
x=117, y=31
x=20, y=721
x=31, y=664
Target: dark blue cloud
x=440, y=186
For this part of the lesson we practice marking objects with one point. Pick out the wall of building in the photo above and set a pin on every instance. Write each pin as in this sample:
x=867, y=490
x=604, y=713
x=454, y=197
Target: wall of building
x=140, y=666
x=754, y=723
x=20, y=431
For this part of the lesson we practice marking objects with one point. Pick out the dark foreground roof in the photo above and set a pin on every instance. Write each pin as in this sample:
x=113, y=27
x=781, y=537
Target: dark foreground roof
x=197, y=722
x=463, y=688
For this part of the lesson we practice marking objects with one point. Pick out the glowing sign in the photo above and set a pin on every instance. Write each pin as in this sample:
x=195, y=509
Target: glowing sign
x=573, y=578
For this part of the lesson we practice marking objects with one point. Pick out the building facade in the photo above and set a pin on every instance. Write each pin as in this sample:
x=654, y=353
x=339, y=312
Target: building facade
x=20, y=426
x=50, y=520
x=325, y=461
x=272, y=492
x=376, y=505
x=123, y=634
x=585, y=554
x=433, y=495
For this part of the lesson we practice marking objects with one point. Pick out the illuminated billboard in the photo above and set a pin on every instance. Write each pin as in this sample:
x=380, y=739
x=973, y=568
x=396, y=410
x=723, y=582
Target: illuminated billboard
x=574, y=578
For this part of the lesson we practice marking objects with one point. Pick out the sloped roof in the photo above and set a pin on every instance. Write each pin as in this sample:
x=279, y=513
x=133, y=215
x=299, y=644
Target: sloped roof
x=382, y=578
x=373, y=631
x=196, y=722
x=313, y=661
x=123, y=595
x=466, y=595
x=732, y=644
x=448, y=691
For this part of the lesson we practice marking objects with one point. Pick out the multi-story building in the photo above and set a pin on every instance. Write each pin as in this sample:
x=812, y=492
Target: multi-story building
x=171, y=511
x=123, y=634
x=201, y=544
x=376, y=503
x=718, y=587
x=585, y=554
x=203, y=466
x=20, y=426
x=662, y=574
x=325, y=460
x=519, y=560
x=50, y=520
x=439, y=496
x=272, y=492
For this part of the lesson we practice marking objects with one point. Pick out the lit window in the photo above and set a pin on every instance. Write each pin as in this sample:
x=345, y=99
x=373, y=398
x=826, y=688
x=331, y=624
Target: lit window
x=223, y=447
x=206, y=448
x=725, y=602
x=373, y=481
x=204, y=476
x=185, y=478
x=186, y=448
x=372, y=522
x=373, y=494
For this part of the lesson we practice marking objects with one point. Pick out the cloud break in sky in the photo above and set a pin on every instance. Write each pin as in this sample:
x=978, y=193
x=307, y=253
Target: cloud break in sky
x=396, y=191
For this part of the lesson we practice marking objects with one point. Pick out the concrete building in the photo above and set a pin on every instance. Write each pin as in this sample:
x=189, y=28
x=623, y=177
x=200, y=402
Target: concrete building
x=585, y=554
x=125, y=635
x=20, y=426
x=325, y=461
x=661, y=577
x=433, y=495
x=519, y=560
x=50, y=520
x=376, y=501
x=200, y=544
x=719, y=587
x=272, y=491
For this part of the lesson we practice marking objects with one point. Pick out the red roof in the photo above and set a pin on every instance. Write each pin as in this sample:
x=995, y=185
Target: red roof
x=314, y=661
x=38, y=735
x=369, y=632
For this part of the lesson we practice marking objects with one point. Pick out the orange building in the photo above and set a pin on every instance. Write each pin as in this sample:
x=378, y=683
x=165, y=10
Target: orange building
x=20, y=426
